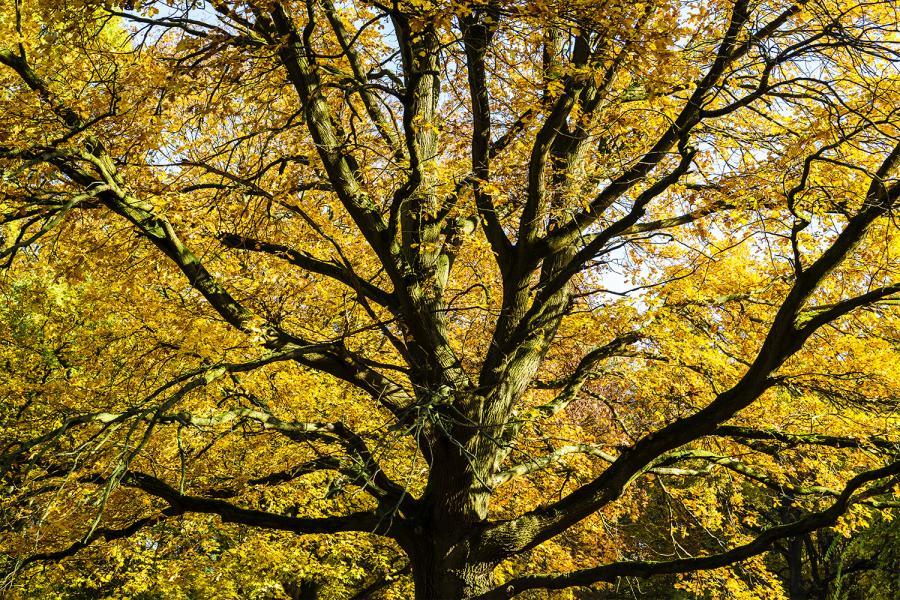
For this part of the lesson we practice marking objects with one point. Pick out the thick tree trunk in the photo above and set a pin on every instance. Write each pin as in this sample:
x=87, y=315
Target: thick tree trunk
x=441, y=573
x=454, y=506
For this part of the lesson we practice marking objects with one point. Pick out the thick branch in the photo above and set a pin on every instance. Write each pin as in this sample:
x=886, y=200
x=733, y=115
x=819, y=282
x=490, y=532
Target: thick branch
x=229, y=513
x=611, y=572
x=477, y=35
x=816, y=439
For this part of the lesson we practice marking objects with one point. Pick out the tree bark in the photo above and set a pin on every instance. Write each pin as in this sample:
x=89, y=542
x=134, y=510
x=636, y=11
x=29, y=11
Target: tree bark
x=445, y=571
x=440, y=543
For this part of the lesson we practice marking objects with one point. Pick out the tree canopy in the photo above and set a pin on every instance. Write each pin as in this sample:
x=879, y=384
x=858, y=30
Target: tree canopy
x=445, y=299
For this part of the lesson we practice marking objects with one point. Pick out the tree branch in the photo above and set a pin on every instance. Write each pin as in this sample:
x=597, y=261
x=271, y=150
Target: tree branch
x=310, y=263
x=611, y=572
x=368, y=522
x=783, y=340
x=818, y=439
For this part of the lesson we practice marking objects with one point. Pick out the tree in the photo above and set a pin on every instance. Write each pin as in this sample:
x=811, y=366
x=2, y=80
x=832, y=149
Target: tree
x=608, y=287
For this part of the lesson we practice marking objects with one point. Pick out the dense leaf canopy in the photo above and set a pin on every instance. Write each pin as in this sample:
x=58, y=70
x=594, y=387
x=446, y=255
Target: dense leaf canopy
x=446, y=299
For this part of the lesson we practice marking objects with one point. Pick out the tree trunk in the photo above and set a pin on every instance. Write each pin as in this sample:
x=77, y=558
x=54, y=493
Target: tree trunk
x=796, y=588
x=440, y=573
x=439, y=544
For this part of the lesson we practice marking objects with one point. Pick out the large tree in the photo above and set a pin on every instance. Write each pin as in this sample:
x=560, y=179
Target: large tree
x=600, y=288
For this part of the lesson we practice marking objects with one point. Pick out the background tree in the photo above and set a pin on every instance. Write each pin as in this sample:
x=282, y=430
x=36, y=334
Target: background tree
x=471, y=291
